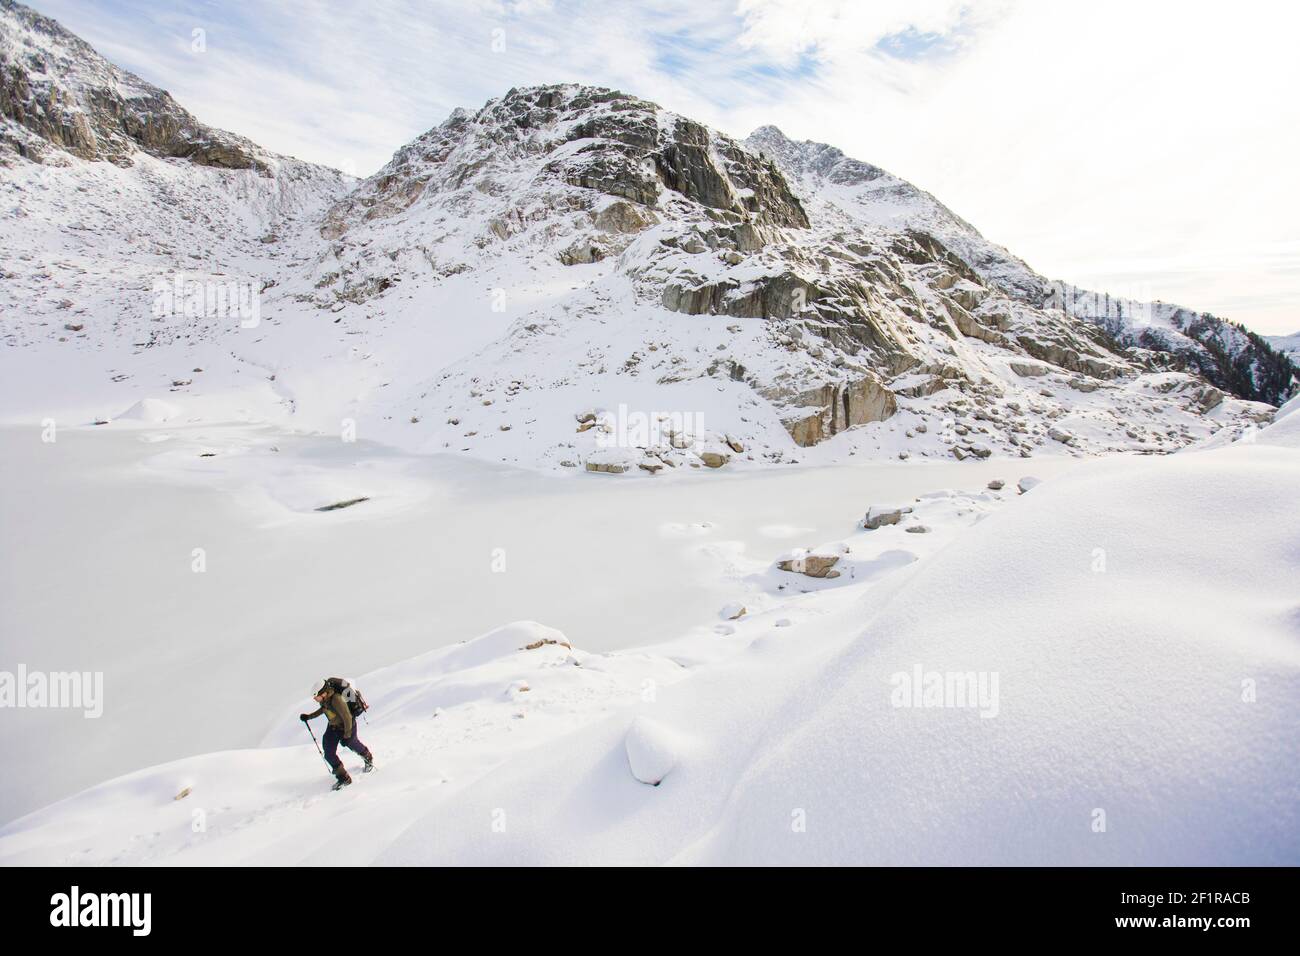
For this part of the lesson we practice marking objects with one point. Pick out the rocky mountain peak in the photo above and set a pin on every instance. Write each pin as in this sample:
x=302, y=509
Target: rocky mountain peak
x=58, y=96
x=590, y=138
x=810, y=158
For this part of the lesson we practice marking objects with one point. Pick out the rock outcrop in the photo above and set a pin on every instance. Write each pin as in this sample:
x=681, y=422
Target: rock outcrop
x=58, y=94
x=878, y=516
x=837, y=407
x=811, y=565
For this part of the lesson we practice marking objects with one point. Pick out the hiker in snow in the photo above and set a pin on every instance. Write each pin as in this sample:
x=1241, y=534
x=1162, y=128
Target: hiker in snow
x=334, y=697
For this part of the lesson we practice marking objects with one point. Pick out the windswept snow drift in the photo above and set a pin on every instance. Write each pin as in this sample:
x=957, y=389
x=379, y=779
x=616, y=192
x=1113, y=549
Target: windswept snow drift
x=1132, y=628
x=1153, y=695
x=150, y=410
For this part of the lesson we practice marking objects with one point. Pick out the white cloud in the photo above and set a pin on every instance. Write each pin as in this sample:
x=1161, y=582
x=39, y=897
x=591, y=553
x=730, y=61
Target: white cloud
x=837, y=28
x=1125, y=146
x=1119, y=145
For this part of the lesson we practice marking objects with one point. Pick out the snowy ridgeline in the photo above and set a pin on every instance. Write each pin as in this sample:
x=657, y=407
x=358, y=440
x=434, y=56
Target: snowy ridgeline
x=1287, y=344
x=564, y=251
x=1101, y=669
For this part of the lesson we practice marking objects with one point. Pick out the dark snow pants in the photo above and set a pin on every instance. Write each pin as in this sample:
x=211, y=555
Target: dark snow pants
x=333, y=737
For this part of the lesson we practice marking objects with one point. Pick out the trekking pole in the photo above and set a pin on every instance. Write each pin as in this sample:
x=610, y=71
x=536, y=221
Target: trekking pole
x=318, y=750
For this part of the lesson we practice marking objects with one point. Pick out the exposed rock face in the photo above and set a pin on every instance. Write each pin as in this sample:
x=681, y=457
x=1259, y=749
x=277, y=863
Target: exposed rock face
x=838, y=407
x=1071, y=353
x=817, y=164
x=582, y=251
x=627, y=148
x=749, y=188
x=622, y=217
x=1100, y=337
x=1029, y=369
x=59, y=94
x=1210, y=398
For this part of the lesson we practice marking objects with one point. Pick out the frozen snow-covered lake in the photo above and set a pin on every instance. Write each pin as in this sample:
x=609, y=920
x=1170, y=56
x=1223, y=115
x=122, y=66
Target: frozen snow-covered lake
x=97, y=571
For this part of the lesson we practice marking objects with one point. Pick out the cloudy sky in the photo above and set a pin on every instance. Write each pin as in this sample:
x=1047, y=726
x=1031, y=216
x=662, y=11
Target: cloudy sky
x=1147, y=148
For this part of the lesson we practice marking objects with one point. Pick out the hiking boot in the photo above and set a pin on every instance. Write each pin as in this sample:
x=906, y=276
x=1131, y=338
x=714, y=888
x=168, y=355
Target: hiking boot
x=343, y=778
x=370, y=764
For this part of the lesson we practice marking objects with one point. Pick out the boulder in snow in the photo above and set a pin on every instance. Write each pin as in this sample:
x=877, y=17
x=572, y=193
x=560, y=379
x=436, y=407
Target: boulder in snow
x=651, y=750
x=880, y=515
x=813, y=565
x=714, y=456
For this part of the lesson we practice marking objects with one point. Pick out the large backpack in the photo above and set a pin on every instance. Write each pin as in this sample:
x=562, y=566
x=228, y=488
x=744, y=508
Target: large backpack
x=356, y=703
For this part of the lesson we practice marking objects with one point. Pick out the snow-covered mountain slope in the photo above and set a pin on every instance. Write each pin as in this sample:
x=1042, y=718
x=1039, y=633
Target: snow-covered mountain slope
x=1288, y=345
x=867, y=194
x=1134, y=705
x=1159, y=334
x=808, y=310
x=132, y=234
x=58, y=95
x=569, y=276
x=1226, y=353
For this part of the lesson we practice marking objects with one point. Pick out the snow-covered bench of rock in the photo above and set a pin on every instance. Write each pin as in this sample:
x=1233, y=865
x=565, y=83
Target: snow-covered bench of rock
x=613, y=461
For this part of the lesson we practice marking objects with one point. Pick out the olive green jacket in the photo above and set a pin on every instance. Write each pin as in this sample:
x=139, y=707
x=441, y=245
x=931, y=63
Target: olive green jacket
x=336, y=712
